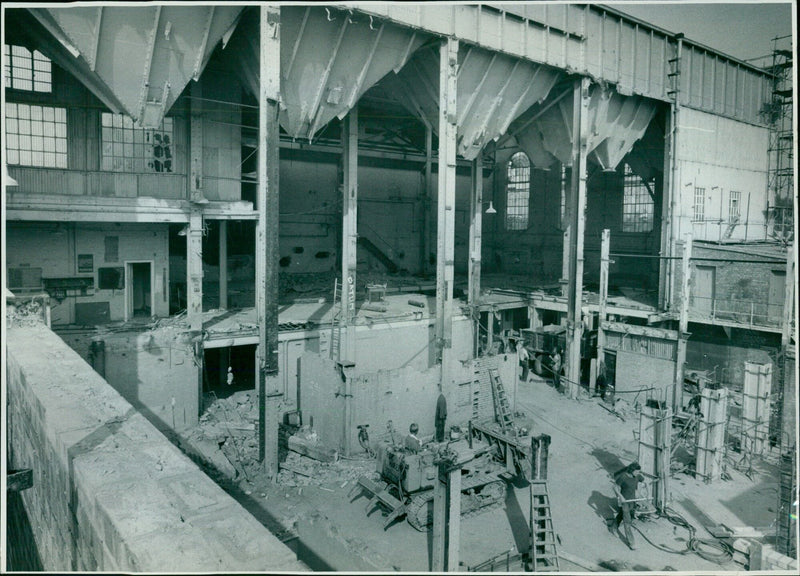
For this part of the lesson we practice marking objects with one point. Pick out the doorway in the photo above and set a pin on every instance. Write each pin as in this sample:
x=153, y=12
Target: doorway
x=242, y=363
x=776, y=296
x=139, y=290
x=703, y=290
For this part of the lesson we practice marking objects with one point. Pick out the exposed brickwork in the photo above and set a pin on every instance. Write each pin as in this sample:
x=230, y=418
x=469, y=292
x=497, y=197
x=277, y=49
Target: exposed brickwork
x=110, y=492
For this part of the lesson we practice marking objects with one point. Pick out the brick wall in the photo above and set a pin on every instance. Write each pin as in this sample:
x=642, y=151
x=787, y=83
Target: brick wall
x=110, y=493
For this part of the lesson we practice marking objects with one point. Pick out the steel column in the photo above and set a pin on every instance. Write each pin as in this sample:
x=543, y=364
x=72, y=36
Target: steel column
x=665, y=265
x=347, y=342
x=448, y=80
x=427, y=201
x=605, y=249
x=267, y=228
x=580, y=132
x=475, y=225
x=788, y=299
x=223, y=264
x=194, y=270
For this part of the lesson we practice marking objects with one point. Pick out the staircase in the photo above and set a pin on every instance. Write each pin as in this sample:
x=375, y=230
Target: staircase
x=502, y=409
x=544, y=554
x=373, y=249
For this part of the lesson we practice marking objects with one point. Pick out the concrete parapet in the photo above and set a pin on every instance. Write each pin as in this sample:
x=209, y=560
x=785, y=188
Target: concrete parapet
x=110, y=492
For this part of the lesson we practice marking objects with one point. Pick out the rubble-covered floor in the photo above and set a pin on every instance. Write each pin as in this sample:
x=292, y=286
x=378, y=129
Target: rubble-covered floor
x=311, y=501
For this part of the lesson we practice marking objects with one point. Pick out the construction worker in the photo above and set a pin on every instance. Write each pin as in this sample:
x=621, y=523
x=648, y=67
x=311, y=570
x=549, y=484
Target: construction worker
x=524, y=358
x=230, y=375
x=555, y=362
x=441, y=417
x=413, y=443
x=627, y=481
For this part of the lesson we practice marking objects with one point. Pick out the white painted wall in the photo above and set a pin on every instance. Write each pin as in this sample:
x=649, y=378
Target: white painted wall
x=55, y=249
x=721, y=155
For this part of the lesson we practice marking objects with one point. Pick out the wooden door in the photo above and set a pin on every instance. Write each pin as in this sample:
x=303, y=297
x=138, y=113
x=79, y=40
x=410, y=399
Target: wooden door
x=703, y=290
x=776, y=296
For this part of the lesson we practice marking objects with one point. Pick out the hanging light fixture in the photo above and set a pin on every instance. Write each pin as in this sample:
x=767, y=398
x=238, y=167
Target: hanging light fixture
x=490, y=209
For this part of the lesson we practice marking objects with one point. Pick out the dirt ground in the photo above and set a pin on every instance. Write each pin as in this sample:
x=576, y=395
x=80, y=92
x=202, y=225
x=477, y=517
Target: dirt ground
x=314, y=512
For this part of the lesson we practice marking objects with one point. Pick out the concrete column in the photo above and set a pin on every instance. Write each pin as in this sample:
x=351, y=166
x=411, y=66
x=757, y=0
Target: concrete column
x=347, y=342
x=580, y=130
x=194, y=270
x=605, y=249
x=448, y=80
x=223, y=264
x=683, y=323
x=711, y=433
x=476, y=220
x=196, y=144
x=756, y=407
x=447, y=520
x=267, y=228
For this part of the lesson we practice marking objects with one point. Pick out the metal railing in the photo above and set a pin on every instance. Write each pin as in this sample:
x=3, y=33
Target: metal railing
x=750, y=313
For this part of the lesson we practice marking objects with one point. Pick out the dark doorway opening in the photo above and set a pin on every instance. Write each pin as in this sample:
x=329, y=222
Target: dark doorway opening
x=141, y=295
x=242, y=362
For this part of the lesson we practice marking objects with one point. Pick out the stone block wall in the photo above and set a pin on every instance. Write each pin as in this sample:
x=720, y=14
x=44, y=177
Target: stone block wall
x=110, y=492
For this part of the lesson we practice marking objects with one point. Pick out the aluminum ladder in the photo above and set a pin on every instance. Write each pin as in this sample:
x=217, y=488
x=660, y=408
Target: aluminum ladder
x=544, y=554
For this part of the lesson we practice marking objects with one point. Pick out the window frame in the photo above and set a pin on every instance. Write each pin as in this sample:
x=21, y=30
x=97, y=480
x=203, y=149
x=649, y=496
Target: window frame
x=27, y=70
x=27, y=134
x=636, y=186
x=126, y=148
x=517, y=214
x=699, y=208
x=734, y=199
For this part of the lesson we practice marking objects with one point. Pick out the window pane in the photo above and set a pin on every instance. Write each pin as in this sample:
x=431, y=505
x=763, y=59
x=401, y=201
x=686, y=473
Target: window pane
x=33, y=139
x=518, y=192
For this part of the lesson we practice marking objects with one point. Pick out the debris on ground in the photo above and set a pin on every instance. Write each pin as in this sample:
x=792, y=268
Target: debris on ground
x=307, y=443
x=299, y=470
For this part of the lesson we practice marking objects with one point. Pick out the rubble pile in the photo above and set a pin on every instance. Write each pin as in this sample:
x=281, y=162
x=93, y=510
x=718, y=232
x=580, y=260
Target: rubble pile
x=28, y=313
x=299, y=470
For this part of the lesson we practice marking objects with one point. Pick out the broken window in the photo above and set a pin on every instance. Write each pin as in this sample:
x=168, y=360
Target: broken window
x=26, y=70
x=699, y=213
x=518, y=192
x=637, y=203
x=36, y=135
x=129, y=148
x=733, y=206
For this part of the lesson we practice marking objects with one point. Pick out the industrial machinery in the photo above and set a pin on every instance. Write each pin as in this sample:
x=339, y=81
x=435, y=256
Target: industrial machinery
x=408, y=480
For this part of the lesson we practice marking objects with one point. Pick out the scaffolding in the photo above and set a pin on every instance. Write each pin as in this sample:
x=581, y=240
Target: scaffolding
x=780, y=216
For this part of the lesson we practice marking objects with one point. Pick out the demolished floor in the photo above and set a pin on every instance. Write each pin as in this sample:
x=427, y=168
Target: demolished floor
x=309, y=503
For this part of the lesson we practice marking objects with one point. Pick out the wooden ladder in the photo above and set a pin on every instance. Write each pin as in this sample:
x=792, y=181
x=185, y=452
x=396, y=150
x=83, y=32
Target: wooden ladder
x=502, y=409
x=334, y=345
x=544, y=554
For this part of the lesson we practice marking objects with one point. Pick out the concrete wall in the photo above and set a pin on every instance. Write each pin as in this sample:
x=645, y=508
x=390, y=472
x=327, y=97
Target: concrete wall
x=55, y=249
x=156, y=372
x=394, y=383
x=110, y=493
x=639, y=371
x=720, y=155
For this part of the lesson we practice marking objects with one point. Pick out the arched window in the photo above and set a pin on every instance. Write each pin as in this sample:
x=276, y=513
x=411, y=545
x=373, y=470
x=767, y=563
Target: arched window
x=518, y=192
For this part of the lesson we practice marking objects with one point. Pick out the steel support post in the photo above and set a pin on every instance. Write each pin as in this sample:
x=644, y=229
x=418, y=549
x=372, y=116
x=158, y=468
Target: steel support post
x=664, y=266
x=580, y=132
x=788, y=300
x=475, y=223
x=683, y=323
x=427, y=199
x=605, y=250
x=445, y=232
x=194, y=270
x=223, y=264
x=267, y=227
x=347, y=342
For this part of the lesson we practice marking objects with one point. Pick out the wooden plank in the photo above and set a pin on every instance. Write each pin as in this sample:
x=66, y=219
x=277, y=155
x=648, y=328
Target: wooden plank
x=18, y=480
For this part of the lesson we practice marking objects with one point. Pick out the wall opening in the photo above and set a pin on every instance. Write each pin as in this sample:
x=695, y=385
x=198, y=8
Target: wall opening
x=242, y=362
x=140, y=294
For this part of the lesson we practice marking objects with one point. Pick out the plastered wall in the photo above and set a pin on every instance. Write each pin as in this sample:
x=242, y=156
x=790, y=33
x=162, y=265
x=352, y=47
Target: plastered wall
x=110, y=492
x=55, y=249
x=155, y=371
x=721, y=155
